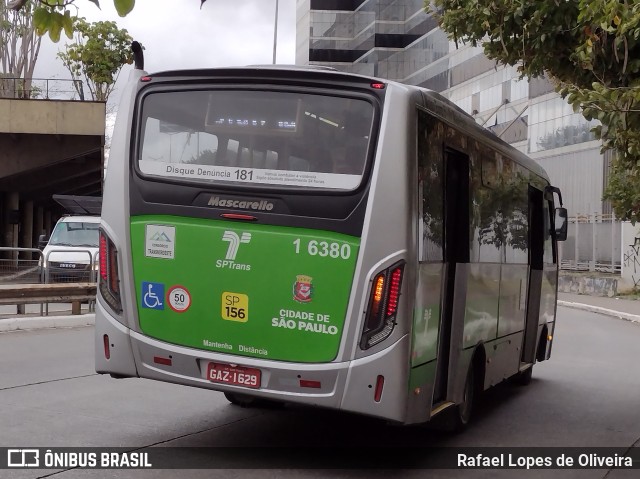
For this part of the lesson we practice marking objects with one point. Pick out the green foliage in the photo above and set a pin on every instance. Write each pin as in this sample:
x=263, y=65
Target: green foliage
x=54, y=16
x=19, y=49
x=100, y=51
x=590, y=48
x=123, y=7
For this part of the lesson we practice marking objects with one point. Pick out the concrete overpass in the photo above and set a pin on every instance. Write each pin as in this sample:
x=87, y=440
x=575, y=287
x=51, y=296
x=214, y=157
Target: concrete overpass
x=46, y=147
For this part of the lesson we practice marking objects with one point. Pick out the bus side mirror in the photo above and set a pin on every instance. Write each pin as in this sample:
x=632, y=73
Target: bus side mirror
x=42, y=241
x=561, y=223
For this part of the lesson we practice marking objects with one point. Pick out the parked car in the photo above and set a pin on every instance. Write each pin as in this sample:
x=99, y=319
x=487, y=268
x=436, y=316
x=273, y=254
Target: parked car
x=71, y=253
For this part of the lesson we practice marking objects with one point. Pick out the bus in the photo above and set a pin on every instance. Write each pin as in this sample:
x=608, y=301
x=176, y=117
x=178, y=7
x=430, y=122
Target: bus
x=302, y=235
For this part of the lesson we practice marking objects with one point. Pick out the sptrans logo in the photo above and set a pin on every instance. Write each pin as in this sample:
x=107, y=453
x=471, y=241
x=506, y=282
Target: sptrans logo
x=234, y=243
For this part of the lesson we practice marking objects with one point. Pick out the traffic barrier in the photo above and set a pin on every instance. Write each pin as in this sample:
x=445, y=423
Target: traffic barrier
x=74, y=293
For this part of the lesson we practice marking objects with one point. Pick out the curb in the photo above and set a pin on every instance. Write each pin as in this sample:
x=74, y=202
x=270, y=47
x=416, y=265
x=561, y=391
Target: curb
x=44, y=322
x=597, y=309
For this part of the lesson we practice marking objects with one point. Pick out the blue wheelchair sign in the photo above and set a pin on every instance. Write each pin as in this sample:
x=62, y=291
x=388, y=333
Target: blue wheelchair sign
x=152, y=295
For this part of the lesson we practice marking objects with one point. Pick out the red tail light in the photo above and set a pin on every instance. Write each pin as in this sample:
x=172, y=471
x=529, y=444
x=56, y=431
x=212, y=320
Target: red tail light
x=394, y=291
x=103, y=257
x=383, y=305
x=109, y=280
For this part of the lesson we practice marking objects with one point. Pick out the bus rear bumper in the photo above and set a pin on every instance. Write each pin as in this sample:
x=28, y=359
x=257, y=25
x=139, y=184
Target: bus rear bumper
x=349, y=386
x=113, y=352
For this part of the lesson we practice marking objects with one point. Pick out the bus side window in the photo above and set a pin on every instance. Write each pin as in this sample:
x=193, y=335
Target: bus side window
x=431, y=189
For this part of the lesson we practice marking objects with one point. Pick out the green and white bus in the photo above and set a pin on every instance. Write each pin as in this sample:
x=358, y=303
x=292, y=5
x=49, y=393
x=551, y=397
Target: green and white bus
x=308, y=236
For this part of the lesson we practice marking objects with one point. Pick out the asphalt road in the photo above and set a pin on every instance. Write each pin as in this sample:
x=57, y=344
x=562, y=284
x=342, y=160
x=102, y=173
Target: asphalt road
x=587, y=395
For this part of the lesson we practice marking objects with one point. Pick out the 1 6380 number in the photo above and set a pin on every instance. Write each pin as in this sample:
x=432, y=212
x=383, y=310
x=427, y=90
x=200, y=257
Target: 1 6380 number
x=330, y=249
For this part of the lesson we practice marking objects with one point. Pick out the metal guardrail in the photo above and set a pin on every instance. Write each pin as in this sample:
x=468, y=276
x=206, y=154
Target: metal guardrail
x=20, y=265
x=41, y=89
x=74, y=293
x=24, y=280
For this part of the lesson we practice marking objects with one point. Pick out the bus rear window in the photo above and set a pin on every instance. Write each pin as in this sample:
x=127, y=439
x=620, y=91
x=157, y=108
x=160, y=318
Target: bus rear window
x=256, y=138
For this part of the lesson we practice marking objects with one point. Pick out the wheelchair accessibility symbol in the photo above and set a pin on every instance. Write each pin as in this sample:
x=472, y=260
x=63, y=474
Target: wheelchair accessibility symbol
x=152, y=295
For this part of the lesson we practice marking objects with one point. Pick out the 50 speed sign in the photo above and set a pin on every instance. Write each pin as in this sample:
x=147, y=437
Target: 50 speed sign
x=179, y=299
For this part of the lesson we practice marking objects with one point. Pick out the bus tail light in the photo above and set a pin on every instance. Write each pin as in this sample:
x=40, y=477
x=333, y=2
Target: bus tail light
x=380, y=317
x=109, y=279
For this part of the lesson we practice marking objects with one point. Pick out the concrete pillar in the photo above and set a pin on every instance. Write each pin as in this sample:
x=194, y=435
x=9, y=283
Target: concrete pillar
x=26, y=225
x=47, y=222
x=38, y=225
x=10, y=230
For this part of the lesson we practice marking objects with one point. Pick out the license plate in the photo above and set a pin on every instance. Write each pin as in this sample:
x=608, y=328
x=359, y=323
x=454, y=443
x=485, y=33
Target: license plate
x=236, y=375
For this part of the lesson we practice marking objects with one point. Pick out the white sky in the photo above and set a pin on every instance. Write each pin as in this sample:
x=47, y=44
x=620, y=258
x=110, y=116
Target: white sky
x=176, y=34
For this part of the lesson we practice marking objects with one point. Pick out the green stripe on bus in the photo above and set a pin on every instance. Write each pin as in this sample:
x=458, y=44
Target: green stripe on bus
x=245, y=289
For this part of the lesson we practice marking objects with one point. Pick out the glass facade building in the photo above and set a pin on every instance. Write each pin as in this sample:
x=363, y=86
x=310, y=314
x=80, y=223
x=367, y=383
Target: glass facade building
x=398, y=40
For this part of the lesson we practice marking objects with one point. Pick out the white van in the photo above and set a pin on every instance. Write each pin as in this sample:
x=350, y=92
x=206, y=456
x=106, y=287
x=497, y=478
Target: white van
x=71, y=254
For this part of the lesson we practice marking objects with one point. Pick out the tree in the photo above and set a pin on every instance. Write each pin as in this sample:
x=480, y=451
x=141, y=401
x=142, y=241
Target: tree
x=589, y=48
x=54, y=15
x=100, y=51
x=19, y=48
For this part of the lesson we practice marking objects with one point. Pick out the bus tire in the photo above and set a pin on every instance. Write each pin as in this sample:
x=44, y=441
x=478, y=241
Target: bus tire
x=244, y=400
x=523, y=378
x=464, y=410
x=459, y=416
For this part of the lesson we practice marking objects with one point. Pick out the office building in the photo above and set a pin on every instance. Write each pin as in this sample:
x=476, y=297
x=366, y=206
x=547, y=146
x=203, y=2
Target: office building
x=398, y=40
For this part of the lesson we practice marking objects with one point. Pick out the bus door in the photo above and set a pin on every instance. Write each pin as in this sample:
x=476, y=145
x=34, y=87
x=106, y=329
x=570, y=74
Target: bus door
x=536, y=256
x=456, y=253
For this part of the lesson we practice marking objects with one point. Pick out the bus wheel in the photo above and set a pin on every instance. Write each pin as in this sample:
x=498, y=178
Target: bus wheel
x=465, y=408
x=242, y=400
x=458, y=417
x=523, y=378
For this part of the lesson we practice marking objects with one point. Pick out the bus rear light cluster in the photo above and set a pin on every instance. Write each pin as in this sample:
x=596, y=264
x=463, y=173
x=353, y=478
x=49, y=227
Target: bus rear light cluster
x=380, y=318
x=109, y=280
